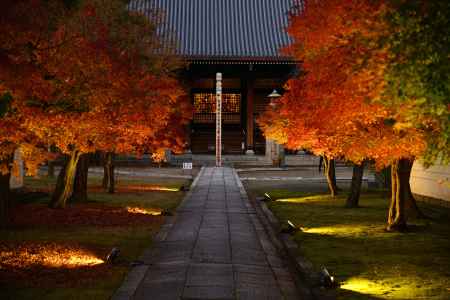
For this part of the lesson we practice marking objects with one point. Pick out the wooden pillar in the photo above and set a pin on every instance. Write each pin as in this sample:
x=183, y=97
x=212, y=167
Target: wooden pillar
x=250, y=111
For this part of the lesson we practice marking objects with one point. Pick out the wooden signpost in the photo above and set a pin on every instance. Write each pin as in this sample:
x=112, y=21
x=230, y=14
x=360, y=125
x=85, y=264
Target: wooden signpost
x=218, y=119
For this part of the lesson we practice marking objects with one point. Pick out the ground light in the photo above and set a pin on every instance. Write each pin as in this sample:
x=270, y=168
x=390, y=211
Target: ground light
x=326, y=280
x=153, y=188
x=50, y=255
x=290, y=228
x=267, y=197
x=112, y=255
x=144, y=211
x=341, y=230
x=362, y=285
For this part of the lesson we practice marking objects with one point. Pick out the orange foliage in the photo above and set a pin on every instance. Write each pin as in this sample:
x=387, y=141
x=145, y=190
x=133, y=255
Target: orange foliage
x=21, y=29
x=332, y=107
x=95, y=81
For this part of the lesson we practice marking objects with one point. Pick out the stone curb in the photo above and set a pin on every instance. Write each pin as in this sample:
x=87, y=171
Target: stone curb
x=303, y=267
x=137, y=273
x=272, y=230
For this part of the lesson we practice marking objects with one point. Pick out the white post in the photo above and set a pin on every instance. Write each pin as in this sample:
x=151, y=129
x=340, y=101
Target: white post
x=218, y=119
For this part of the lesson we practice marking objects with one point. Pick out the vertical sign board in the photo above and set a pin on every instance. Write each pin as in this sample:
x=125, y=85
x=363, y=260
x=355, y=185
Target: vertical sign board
x=218, y=119
x=187, y=166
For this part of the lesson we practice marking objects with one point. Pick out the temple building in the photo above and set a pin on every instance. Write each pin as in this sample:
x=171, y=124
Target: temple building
x=242, y=39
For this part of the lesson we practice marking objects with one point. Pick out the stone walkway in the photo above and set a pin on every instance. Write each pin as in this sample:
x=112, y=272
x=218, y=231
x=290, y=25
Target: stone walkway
x=216, y=248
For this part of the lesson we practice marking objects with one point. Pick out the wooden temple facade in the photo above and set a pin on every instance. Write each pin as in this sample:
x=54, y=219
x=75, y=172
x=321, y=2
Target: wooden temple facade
x=241, y=39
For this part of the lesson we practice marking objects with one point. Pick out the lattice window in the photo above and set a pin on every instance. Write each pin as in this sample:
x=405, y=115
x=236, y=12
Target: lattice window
x=205, y=108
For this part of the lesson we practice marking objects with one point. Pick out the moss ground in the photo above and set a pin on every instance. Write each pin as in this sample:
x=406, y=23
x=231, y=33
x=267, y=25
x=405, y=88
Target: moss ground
x=369, y=262
x=37, y=281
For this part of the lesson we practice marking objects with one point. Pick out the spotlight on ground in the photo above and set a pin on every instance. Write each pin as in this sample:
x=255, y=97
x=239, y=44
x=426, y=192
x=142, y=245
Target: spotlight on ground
x=184, y=188
x=290, y=228
x=112, y=256
x=267, y=197
x=326, y=280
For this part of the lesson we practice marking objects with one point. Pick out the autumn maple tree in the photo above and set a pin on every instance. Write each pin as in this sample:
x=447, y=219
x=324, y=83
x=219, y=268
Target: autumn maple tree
x=340, y=105
x=23, y=29
x=328, y=109
x=103, y=79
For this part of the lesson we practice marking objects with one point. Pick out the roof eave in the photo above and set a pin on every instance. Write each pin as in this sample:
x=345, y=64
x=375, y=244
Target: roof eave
x=199, y=59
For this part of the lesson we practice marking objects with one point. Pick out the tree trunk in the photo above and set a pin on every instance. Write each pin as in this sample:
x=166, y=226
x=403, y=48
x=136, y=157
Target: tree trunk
x=355, y=189
x=5, y=192
x=108, y=172
x=400, y=194
x=81, y=177
x=105, y=181
x=5, y=198
x=330, y=174
x=51, y=169
x=65, y=183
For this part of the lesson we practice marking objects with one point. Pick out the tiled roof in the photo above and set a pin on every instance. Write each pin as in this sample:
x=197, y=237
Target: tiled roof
x=225, y=29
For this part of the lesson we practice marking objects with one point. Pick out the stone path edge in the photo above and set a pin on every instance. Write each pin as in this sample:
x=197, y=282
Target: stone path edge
x=299, y=264
x=272, y=227
x=136, y=273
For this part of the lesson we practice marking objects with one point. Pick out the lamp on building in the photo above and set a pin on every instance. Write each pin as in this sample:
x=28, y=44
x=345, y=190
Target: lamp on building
x=276, y=152
x=273, y=97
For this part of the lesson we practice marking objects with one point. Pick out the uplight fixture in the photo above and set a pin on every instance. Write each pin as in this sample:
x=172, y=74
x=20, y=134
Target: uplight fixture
x=326, y=280
x=290, y=228
x=267, y=197
x=112, y=255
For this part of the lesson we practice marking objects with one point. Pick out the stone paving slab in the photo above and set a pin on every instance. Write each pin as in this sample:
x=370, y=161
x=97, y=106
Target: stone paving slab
x=215, y=248
x=208, y=292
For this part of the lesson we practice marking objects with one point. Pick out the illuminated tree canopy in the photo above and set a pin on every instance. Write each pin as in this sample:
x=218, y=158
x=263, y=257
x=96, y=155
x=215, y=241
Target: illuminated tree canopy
x=347, y=102
x=85, y=77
